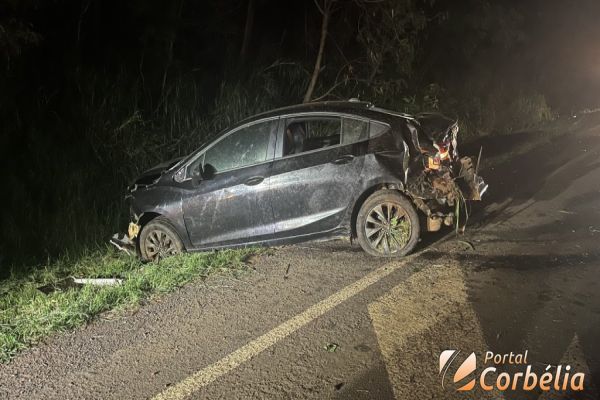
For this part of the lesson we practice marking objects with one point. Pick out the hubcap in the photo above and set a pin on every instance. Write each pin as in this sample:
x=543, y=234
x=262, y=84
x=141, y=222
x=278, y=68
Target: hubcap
x=159, y=244
x=387, y=228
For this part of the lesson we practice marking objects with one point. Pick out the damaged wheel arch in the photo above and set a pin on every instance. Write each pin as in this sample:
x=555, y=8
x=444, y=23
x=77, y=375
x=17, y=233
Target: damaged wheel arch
x=374, y=187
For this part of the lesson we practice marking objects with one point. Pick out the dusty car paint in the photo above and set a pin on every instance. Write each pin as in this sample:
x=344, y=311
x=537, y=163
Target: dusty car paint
x=310, y=195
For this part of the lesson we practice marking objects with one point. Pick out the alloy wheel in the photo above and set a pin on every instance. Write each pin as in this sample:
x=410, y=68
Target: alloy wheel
x=159, y=244
x=387, y=228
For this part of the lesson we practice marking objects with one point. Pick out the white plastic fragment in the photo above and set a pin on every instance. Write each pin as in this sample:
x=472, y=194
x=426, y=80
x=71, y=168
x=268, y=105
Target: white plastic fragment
x=98, y=281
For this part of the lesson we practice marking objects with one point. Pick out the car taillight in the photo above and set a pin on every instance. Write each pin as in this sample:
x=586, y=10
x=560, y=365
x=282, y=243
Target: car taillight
x=443, y=153
x=443, y=150
x=433, y=162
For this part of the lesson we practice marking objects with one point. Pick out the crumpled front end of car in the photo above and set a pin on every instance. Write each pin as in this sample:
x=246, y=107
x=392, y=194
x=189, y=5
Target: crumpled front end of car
x=127, y=242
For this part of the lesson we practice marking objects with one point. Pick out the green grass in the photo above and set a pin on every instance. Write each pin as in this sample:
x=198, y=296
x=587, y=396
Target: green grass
x=27, y=315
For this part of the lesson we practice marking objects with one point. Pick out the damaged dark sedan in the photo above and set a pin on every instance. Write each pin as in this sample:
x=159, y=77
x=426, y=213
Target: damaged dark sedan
x=312, y=171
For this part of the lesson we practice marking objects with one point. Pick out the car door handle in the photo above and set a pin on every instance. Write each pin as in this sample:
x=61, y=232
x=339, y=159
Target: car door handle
x=255, y=180
x=343, y=159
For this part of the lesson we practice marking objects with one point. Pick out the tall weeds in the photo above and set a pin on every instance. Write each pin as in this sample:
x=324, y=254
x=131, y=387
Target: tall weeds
x=78, y=185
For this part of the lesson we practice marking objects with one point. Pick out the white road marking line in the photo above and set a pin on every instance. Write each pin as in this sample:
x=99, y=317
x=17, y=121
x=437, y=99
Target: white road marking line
x=205, y=376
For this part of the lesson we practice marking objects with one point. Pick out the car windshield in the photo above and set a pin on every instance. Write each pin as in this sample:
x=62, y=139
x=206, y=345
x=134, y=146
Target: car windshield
x=206, y=142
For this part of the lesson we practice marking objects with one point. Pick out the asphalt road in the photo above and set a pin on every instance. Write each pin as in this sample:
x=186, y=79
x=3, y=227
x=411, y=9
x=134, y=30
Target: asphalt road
x=324, y=320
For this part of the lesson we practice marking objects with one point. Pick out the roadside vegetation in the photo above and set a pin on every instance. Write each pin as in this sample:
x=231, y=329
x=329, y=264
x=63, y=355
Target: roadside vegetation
x=38, y=304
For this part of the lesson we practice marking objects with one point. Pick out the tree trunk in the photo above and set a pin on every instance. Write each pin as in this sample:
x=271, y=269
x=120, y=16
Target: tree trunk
x=315, y=75
x=167, y=65
x=169, y=49
x=247, y=30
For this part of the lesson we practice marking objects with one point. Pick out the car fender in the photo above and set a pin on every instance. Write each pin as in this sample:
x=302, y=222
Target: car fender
x=380, y=170
x=165, y=201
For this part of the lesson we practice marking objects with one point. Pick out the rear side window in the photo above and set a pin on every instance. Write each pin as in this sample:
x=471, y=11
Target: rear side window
x=354, y=130
x=313, y=133
x=377, y=128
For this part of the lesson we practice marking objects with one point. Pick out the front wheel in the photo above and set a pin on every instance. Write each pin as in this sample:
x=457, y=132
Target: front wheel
x=387, y=225
x=158, y=239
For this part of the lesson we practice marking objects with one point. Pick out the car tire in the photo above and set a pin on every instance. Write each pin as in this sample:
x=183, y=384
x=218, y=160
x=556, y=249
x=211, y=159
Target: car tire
x=387, y=225
x=159, y=239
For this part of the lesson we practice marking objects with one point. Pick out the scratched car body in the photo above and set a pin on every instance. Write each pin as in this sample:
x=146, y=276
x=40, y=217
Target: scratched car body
x=312, y=171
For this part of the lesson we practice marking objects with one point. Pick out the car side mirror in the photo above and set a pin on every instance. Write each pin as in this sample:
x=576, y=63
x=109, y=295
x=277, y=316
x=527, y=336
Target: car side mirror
x=207, y=172
x=196, y=174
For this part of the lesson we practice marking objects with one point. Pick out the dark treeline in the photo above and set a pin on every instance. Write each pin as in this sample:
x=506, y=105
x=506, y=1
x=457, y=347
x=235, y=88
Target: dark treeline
x=95, y=91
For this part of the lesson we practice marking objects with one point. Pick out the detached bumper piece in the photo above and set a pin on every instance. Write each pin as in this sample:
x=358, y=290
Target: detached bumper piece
x=123, y=243
x=126, y=242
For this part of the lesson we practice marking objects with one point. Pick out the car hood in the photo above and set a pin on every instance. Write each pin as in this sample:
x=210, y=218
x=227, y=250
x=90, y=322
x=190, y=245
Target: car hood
x=153, y=174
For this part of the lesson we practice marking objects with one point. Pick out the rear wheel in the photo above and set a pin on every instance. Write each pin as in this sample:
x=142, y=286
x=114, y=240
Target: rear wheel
x=387, y=225
x=158, y=239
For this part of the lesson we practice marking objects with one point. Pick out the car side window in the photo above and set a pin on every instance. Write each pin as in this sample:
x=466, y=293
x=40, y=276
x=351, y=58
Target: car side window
x=241, y=148
x=354, y=130
x=377, y=129
x=312, y=133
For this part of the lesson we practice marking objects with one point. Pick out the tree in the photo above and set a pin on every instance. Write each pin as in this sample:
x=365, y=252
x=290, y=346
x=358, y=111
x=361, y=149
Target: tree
x=385, y=35
x=388, y=31
x=326, y=9
x=249, y=26
x=15, y=36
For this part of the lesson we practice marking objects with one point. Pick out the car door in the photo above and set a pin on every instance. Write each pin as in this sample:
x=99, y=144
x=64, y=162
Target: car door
x=227, y=198
x=315, y=174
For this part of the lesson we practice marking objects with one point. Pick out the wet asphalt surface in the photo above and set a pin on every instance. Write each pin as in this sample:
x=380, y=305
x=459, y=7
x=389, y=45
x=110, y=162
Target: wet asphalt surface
x=524, y=277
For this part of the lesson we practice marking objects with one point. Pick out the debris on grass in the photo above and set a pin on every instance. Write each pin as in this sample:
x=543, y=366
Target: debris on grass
x=78, y=283
x=98, y=281
x=61, y=285
x=46, y=300
x=123, y=243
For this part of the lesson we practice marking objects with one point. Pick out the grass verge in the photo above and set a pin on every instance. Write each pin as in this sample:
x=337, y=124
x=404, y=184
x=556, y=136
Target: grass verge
x=27, y=315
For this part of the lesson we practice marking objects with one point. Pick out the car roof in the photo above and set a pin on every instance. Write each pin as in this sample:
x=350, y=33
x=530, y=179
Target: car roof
x=354, y=107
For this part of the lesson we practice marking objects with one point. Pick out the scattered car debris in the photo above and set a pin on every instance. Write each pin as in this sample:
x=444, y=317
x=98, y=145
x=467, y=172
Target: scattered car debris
x=287, y=271
x=468, y=244
x=77, y=283
x=123, y=243
x=331, y=347
x=59, y=286
x=98, y=281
